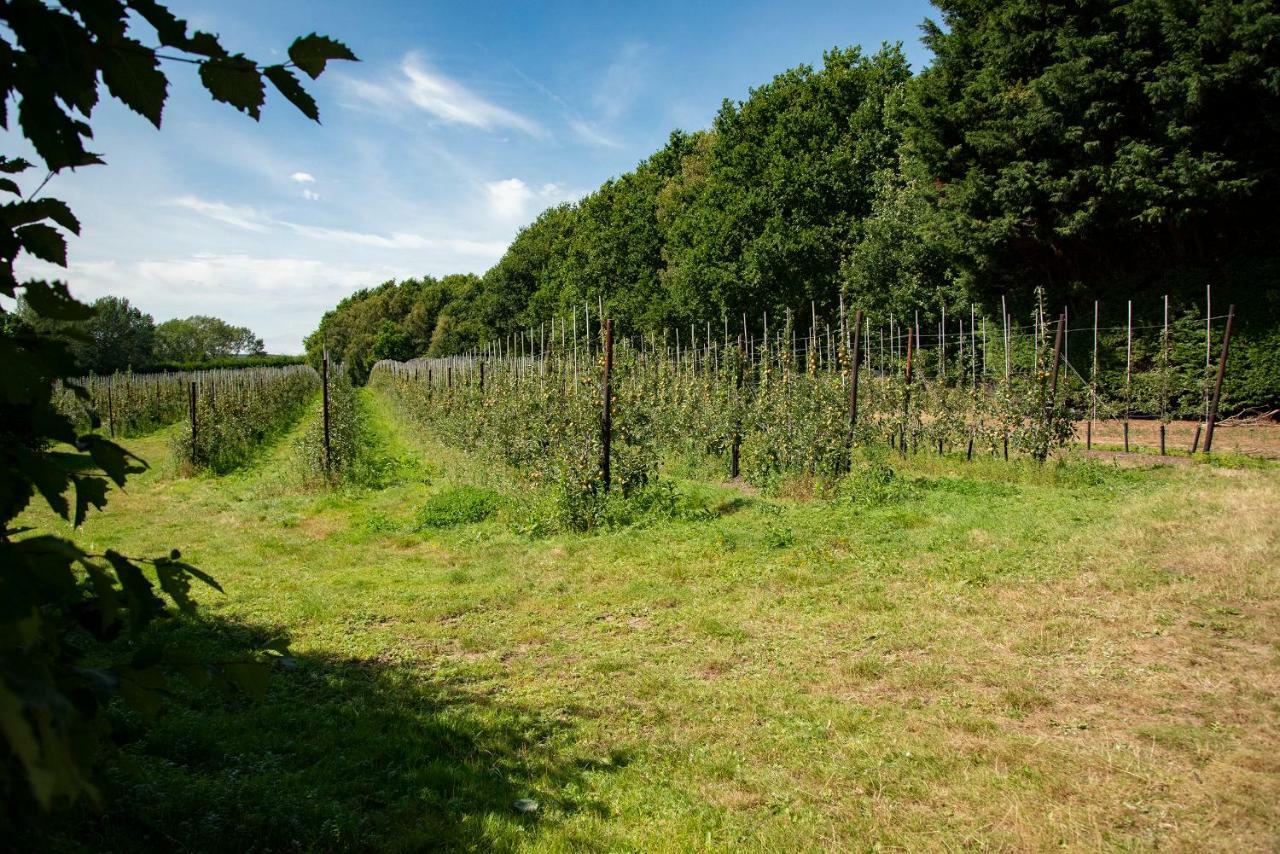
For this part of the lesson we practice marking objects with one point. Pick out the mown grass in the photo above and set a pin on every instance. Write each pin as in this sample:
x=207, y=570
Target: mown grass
x=935, y=654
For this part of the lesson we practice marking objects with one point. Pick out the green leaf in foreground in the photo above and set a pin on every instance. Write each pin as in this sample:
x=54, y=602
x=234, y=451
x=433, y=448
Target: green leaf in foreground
x=288, y=85
x=311, y=53
x=235, y=80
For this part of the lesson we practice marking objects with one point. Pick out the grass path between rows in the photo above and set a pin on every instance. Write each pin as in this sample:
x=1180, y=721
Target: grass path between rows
x=986, y=656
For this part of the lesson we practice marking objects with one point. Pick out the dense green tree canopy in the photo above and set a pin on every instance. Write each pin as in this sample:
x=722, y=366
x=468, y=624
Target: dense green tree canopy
x=753, y=215
x=1110, y=149
x=767, y=219
x=121, y=337
x=400, y=320
x=1088, y=144
x=525, y=284
x=117, y=337
x=201, y=338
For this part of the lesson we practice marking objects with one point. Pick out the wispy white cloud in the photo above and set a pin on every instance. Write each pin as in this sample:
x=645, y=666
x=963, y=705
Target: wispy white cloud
x=422, y=87
x=511, y=198
x=617, y=88
x=589, y=133
x=310, y=195
x=623, y=80
x=236, y=215
x=251, y=219
x=303, y=177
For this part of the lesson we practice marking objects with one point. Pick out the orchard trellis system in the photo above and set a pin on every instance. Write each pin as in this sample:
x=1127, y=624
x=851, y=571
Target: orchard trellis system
x=225, y=413
x=579, y=401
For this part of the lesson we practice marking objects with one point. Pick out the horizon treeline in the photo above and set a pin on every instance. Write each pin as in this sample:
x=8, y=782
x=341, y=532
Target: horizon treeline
x=1097, y=150
x=122, y=337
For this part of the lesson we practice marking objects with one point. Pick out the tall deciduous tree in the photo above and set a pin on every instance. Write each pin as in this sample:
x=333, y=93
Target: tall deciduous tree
x=1088, y=142
x=766, y=217
x=200, y=337
x=120, y=335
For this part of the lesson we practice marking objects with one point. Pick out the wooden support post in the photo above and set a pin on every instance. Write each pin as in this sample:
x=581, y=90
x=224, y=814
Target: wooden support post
x=906, y=396
x=1057, y=357
x=1037, y=323
x=810, y=351
x=942, y=348
x=1164, y=376
x=111, y=408
x=843, y=331
x=1093, y=383
x=1066, y=340
x=1004, y=311
x=910, y=351
x=1208, y=354
x=1128, y=373
x=606, y=419
x=984, y=348
x=1217, y=385
x=853, y=375
x=735, y=451
x=191, y=406
x=324, y=403
x=973, y=354
x=482, y=377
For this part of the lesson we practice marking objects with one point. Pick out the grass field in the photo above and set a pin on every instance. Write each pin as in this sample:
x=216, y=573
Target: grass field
x=961, y=655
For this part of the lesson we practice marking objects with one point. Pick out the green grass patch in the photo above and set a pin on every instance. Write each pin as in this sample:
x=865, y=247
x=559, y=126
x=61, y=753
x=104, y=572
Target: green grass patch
x=892, y=660
x=459, y=505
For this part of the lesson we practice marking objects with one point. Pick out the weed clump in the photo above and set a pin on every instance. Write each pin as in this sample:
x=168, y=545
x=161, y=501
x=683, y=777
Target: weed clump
x=874, y=484
x=462, y=505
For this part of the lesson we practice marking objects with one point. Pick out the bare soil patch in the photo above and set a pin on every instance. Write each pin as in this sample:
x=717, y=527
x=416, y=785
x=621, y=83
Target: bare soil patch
x=1255, y=438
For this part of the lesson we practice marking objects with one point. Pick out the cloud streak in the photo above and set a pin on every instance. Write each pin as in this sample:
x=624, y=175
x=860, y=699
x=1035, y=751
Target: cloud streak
x=590, y=134
x=240, y=217
x=619, y=84
x=427, y=90
x=250, y=219
x=623, y=81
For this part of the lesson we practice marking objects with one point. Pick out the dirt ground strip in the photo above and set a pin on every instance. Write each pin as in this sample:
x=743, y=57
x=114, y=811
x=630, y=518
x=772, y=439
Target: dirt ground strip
x=1253, y=438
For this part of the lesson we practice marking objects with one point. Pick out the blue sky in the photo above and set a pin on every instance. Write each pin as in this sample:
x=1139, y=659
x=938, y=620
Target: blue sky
x=461, y=123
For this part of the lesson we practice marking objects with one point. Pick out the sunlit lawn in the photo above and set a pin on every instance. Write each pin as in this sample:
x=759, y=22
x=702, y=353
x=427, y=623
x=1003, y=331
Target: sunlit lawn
x=988, y=654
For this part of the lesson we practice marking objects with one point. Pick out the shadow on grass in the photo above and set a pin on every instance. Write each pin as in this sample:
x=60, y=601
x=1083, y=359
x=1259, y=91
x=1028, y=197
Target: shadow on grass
x=342, y=754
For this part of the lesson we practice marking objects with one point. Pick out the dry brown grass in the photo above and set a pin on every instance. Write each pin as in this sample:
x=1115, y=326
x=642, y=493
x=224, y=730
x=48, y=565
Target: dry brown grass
x=1251, y=438
x=1143, y=687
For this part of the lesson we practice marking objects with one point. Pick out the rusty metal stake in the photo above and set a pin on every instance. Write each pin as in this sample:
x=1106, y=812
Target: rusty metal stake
x=1217, y=386
x=853, y=375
